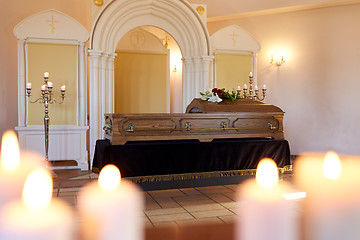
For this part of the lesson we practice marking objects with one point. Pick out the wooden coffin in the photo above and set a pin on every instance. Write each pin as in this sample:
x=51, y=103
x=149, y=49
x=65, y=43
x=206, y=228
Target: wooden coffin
x=239, y=119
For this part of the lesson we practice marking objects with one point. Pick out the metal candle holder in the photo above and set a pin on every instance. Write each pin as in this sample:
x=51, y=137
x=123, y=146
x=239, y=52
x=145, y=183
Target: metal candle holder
x=46, y=99
x=253, y=92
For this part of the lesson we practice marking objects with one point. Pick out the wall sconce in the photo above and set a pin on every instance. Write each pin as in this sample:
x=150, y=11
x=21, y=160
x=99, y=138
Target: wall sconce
x=277, y=60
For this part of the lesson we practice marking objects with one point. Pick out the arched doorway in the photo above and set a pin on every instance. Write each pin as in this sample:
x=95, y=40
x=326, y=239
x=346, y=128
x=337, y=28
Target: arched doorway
x=178, y=18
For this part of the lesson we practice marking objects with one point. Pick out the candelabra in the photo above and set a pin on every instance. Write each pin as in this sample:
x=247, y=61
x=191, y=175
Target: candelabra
x=253, y=91
x=46, y=99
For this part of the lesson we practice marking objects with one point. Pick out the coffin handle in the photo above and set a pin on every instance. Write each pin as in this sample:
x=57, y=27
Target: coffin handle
x=271, y=127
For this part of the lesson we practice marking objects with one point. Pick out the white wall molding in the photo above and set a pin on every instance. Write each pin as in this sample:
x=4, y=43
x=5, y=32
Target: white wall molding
x=52, y=26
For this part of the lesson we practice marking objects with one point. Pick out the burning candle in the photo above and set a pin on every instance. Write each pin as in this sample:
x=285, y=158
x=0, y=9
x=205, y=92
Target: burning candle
x=28, y=86
x=46, y=75
x=238, y=88
x=245, y=86
x=256, y=88
x=264, y=213
x=251, y=74
x=111, y=208
x=43, y=87
x=50, y=84
x=37, y=216
x=63, y=88
x=14, y=168
x=264, y=87
x=331, y=208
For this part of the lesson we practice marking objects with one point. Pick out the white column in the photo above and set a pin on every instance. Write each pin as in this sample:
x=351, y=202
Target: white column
x=197, y=79
x=22, y=106
x=187, y=82
x=208, y=81
x=102, y=92
x=82, y=85
x=109, y=106
x=94, y=108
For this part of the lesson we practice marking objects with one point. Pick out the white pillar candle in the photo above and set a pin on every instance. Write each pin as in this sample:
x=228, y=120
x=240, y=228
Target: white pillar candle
x=111, y=208
x=46, y=75
x=50, y=84
x=14, y=168
x=28, y=86
x=263, y=211
x=36, y=216
x=331, y=208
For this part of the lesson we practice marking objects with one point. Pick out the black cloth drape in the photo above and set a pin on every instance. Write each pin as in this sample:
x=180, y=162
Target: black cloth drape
x=189, y=156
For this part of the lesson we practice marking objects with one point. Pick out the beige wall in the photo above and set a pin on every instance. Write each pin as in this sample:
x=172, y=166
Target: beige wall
x=232, y=70
x=60, y=60
x=11, y=13
x=318, y=86
x=140, y=83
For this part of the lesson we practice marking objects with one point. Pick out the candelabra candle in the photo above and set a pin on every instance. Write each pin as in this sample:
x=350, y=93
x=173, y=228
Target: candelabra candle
x=46, y=99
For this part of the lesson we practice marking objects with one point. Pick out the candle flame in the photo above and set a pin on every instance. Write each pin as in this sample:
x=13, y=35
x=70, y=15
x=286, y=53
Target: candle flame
x=10, y=153
x=109, y=177
x=332, y=166
x=38, y=189
x=267, y=175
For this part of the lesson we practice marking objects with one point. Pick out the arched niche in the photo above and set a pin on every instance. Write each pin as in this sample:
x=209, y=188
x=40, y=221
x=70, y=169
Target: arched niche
x=236, y=41
x=66, y=141
x=178, y=18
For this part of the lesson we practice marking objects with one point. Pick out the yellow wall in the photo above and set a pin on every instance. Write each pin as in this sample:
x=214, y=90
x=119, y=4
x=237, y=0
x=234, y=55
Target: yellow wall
x=140, y=83
x=232, y=70
x=60, y=61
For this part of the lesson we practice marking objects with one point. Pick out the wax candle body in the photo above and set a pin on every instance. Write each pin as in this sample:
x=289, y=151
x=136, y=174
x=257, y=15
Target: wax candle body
x=331, y=208
x=266, y=214
x=56, y=222
x=116, y=214
x=12, y=182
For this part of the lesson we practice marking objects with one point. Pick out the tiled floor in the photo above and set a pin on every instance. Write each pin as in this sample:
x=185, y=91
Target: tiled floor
x=212, y=204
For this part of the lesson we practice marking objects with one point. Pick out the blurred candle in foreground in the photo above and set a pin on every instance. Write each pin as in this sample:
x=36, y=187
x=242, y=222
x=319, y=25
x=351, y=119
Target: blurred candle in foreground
x=37, y=216
x=14, y=168
x=331, y=208
x=111, y=208
x=263, y=211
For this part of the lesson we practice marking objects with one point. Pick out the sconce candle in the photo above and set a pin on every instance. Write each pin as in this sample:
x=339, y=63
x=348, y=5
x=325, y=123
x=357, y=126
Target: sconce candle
x=251, y=74
x=50, y=84
x=264, y=87
x=46, y=75
x=111, y=208
x=63, y=88
x=263, y=211
x=245, y=86
x=331, y=208
x=256, y=88
x=43, y=87
x=28, y=86
x=37, y=216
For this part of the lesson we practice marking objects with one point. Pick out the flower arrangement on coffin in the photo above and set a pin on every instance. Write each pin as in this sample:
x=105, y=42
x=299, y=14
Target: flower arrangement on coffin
x=217, y=95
